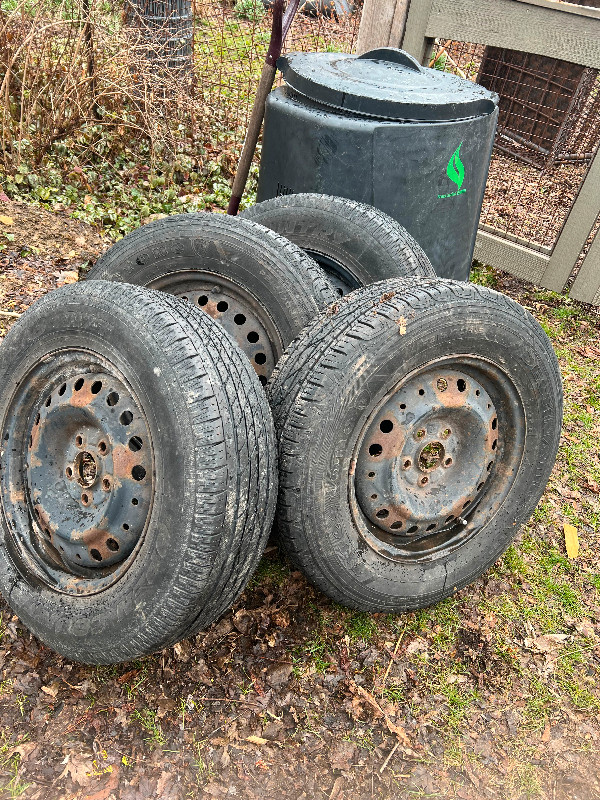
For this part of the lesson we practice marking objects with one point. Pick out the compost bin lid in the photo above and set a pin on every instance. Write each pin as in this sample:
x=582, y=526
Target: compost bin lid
x=385, y=83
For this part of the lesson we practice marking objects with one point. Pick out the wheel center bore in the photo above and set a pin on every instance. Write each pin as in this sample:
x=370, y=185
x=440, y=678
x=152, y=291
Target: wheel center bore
x=425, y=456
x=85, y=469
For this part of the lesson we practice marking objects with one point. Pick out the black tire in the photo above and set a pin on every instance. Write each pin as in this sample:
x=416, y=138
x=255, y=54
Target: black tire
x=355, y=243
x=366, y=381
x=137, y=375
x=234, y=269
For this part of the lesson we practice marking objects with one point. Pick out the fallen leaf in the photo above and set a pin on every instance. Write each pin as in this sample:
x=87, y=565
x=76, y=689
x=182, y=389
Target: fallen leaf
x=546, y=733
x=550, y=641
x=571, y=540
x=401, y=322
x=257, y=740
x=6, y=220
x=79, y=767
x=52, y=689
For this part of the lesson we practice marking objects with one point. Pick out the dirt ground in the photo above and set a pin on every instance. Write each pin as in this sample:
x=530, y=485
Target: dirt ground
x=493, y=693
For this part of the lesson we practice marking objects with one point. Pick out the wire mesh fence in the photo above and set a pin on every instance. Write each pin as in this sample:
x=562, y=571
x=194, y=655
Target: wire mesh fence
x=548, y=132
x=231, y=44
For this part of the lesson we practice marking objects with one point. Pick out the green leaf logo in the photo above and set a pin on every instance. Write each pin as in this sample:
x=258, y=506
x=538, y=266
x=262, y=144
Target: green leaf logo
x=455, y=169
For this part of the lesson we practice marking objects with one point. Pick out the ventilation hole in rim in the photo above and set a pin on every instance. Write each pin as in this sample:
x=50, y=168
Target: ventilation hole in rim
x=489, y=405
x=239, y=319
x=48, y=401
x=420, y=433
x=424, y=480
x=95, y=554
x=96, y=387
x=461, y=385
x=421, y=392
x=477, y=392
x=466, y=504
x=78, y=441
x=448, y=461
x=62, y=389
x=134, y=501
x=395, y=526
x=260, y=358
x=135, y=444
x=480, y=487
x=222, y=306
x=37, y=421
x=202, y=300
x=85, y=499
x=102, y=447
x=126, y=418
x=78, y=385
x=442, y=384
x=375, y=450
x=449, y=519
x=125, y=526
x=431, y=527
x=184, y=297
x=138, y=473
x=407, y=463
x=402, y=406
x=490, y=465
x=253, y=337
x=106, y=484
x=371, y=474
x=112, y=545
x=76, y=554
x=382, y=513
x=373, y=497
x=494, y=423
x=386, y=426
x=494, y=444
x=413, y=529
x=112, y=399
x=262, y=379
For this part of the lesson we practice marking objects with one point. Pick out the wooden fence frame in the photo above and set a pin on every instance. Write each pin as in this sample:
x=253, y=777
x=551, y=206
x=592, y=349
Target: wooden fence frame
x=546, y=28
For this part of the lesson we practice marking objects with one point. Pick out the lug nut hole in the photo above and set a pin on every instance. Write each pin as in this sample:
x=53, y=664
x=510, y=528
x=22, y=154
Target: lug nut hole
x=375, y=450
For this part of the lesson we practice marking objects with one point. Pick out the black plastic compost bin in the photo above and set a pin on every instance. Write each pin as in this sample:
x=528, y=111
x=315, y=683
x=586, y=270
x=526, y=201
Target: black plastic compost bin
x=382, y=129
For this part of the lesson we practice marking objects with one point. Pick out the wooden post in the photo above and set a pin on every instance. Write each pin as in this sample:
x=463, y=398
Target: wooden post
x=382, y=24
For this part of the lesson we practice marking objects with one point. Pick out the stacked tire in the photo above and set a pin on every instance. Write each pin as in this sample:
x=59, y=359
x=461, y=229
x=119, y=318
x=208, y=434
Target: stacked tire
x=416, y=421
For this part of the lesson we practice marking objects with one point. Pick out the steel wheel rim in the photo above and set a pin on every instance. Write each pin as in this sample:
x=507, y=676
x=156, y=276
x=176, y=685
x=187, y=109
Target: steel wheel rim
x=340, y=278
x=233, y=307
x=435, y=459
x=78, y=479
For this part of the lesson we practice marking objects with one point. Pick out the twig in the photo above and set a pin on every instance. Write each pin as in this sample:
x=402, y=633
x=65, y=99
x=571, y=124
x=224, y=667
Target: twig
x=389, y=666
x=390, y=754
x=9, y=314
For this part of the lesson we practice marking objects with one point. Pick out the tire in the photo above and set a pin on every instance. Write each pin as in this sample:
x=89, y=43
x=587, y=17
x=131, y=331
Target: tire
x=181, y=444
x=354, y=243
x=412, y=403
x=259, y=286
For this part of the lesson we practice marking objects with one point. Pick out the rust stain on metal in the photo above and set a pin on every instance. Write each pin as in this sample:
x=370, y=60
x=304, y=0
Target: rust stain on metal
x=83, y=397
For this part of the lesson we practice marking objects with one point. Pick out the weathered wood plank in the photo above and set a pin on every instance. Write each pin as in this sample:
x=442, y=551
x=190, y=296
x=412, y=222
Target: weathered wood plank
x=576, y=229
x=415, y=39
x=587, y=283
x=534, y=27
x=375, y=24
x=520, y=261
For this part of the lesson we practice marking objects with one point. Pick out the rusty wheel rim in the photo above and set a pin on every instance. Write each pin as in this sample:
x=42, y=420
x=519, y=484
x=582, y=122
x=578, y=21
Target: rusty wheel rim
x=436, y=458
x=233, y=307
x=79, y=473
